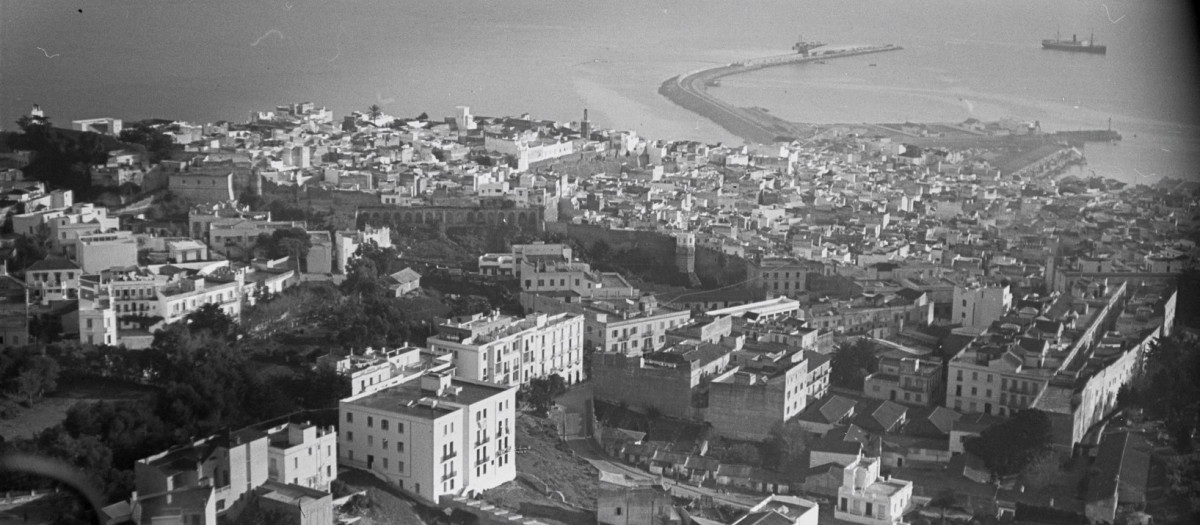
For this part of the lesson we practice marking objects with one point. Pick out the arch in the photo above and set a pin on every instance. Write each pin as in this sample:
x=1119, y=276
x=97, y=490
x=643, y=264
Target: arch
x=407, y=217
x=430, y=218
x=471, y=217
x=522, y=219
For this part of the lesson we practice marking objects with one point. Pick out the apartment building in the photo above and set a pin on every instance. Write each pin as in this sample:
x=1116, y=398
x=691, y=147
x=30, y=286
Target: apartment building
x=512, y=351
x=614, y=325
x=767, y=384
x=978, y=306
x=96, y=252
x=236, y=237
x=1067, y=362
x=376, y=369
x=432, y=436
x=907, y=379
x=548, y=274
x=229, y=465
x=53, y=278
x=142, y=299
x=218, y=476
x=781, y=276
x=302, y=454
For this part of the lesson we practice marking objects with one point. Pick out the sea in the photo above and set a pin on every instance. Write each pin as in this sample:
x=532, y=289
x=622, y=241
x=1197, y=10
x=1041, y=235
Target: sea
x=208, y=60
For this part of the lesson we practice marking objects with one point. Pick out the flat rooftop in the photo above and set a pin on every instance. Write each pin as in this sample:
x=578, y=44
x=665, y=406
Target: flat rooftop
x=405, y=398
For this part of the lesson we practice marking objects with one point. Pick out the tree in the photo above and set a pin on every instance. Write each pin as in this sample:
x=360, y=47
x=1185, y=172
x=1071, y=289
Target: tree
x=852, y=363
x=742, y=453
x=1008, y=447
x=285, y=242
x=1042, y=471
x=1183, y=476
x=38, y=375
x=374, y=110
x=540, y=392
x=215, y=321
x=468, y=305
x=158, y=144
x=786, y=446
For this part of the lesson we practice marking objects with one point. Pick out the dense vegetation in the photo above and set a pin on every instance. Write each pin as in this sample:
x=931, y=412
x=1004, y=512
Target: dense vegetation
x=204, y=382
x=1007, y=448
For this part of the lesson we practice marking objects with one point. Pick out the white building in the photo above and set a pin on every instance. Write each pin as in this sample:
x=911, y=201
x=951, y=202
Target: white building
x=978, y=306
x=345, y=243
x=512, y=351
x=867, y=498
x=781, y=510
x=302, y=454
x=432, y=436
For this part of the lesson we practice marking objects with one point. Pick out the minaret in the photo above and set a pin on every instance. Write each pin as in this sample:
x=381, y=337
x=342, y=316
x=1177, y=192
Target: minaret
x=585, y=127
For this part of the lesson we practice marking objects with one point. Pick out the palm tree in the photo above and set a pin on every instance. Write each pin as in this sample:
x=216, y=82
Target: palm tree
x=374, y=111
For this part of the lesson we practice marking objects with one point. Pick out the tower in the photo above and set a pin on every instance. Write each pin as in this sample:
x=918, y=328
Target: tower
x=685, y=252
x=585, y=127
x=463, y=118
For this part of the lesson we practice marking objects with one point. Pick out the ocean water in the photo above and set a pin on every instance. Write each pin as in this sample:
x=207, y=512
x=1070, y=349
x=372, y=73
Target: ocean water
x=220, y=59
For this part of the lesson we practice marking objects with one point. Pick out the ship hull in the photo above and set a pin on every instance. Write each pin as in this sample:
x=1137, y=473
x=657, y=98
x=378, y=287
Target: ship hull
x=1074, y=47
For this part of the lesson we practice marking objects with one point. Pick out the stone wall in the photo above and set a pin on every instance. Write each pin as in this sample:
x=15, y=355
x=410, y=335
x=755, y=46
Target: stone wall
x=744, y=412
x=618, y=378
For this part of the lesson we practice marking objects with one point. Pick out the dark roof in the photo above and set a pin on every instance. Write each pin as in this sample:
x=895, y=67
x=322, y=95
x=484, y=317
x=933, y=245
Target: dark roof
x=843, y=440
x=831, y=409
x=935, y=422
x=51, y=263
x=909, y=294
x=881, y=417
x=1124, y=463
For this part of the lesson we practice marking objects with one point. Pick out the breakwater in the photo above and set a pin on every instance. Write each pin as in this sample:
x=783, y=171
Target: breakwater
x=689, y=91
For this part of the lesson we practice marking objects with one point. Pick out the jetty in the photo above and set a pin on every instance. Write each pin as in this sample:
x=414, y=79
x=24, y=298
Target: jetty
x=689, y=91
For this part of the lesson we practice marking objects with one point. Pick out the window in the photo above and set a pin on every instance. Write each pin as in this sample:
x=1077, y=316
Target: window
x=370, y=422
x=370, y=440
x=383, y=424
x=400, y=427
x=385, y=443
x=349, y=436
x=399, y=446
x=385, y=463
x=349, y=417
x=400, y=466
x=974, y=391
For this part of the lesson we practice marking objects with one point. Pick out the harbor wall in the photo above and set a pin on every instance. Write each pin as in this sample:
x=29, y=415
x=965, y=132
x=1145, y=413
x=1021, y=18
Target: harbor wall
x=688, y=91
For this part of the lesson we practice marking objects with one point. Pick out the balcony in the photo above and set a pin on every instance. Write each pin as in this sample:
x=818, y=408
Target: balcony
x=482, y=460
x=480, y=441
x=449, y=475
x=450, y=455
